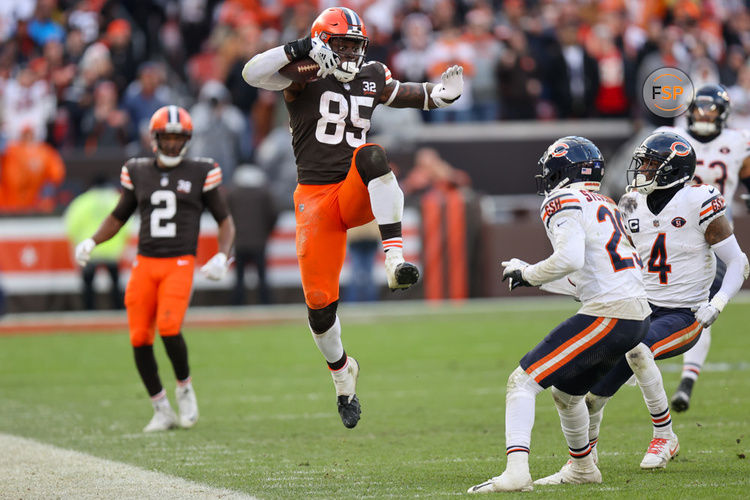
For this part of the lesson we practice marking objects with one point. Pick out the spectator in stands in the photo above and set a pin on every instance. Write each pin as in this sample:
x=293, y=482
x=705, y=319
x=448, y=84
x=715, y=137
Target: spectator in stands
x=42, y=27
x=219, y=128
x=275, y=157
x=572, y=75
x=104, y=125
x=410, y=63
x=450, y=49
x=27, y=101
x=487, y=50
x=519, y=79
x=739, y=97
x=250, y=194
x=31, y=172
x=611, y=96
x=124, y=59
x=144, y=96
x=82, y=218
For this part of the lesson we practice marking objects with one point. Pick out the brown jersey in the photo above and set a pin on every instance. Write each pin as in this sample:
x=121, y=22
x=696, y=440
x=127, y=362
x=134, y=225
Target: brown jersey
x=330, y=119
x=170, y=202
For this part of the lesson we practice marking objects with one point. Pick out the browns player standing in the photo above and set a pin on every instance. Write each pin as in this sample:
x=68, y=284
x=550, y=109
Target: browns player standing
x=343, y=181
x=170, y=194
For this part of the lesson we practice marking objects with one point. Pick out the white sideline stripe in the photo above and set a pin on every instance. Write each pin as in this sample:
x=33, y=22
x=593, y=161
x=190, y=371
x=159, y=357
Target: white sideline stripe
x=35, y=470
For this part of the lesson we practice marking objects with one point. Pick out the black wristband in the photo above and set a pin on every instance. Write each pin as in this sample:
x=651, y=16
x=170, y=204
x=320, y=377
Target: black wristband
x=298, y=49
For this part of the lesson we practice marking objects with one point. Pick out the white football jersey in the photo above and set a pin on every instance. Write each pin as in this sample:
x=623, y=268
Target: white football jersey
x=719, y=161
x=678, y=263
x=611, y=270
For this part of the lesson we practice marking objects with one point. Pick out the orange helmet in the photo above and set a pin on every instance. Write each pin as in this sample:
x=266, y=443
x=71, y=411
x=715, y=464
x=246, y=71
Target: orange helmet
x=171, y=128
x=343, y=23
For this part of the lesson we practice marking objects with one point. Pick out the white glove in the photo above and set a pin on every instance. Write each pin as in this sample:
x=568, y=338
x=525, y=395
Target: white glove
x=83, y=251
x=513, y=269
x=326, y=58
x=450, y=87
x=707, y=313
x=216, y=267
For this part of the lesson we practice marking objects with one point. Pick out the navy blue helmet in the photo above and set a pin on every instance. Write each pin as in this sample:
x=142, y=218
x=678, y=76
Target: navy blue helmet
x=663, y=160
x=570, y=160
x=707, y=114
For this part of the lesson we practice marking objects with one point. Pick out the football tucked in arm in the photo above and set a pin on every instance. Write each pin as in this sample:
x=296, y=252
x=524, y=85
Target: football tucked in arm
x=304, y=70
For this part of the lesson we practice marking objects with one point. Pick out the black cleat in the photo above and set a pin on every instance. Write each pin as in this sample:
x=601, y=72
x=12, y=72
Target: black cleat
x=681, y=399
x=349, y=410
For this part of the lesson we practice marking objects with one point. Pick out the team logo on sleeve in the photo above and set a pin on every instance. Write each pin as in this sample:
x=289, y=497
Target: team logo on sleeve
x=680, y=148
x=678, y=222
x=634, y=225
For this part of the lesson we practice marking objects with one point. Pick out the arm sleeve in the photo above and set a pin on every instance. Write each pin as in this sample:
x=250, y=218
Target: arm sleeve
x=569, y=243
x=126, y=206
x=728, y=250
x=262, y=70
x=215, y=202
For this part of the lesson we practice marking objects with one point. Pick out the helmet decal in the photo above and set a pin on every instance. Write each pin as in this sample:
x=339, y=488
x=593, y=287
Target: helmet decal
x=680, y=148
x=560, y=149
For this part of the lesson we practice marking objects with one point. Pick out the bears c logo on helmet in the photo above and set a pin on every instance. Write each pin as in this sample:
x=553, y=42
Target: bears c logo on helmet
x=680, y=148
x=560, y=149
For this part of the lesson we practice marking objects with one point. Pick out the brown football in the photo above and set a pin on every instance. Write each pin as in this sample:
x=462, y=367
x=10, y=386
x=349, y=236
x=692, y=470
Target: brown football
x=304, y=70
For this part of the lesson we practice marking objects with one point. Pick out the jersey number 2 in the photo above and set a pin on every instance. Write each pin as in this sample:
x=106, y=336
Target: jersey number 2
x=336, y=120
x=619, y=262
x=163, y=213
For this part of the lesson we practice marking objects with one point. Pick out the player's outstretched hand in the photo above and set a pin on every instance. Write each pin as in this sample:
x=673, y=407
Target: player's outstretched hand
x=83, y=251
x=450, y=88
x=326, y=58
x=513, y=269
x=216, y=267
x=706, y=314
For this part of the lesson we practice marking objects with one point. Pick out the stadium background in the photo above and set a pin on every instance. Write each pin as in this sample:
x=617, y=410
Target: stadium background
x=80, y=79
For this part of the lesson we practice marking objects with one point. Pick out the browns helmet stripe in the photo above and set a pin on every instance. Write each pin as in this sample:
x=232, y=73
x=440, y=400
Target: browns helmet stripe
x=174, y=115
x=352, y=19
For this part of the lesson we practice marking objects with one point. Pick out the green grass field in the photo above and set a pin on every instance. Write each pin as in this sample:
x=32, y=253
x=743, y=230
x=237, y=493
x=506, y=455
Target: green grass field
x=432, y=387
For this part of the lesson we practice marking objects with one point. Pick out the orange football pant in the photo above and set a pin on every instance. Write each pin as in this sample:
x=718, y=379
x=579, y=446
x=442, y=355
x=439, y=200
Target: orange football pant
x=323, y=214
x=158, y=293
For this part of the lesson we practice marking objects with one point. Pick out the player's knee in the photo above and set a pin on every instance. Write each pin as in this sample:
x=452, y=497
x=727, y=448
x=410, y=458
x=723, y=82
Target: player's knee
x=321, y=320
x=371, y=162
x=563, y=400
x=169, y=327
x=519, y=381
x=639, y=357
x=141, y=338
x=595, y=403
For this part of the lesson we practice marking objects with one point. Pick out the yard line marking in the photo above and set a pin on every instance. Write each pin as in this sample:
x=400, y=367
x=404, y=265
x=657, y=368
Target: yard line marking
x=36, y=470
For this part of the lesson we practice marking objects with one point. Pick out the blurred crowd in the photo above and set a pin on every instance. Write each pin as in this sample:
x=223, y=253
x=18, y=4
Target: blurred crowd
x=84, y=76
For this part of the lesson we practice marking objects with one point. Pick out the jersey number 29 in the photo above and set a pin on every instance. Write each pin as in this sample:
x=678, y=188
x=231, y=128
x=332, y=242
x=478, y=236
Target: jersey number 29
x=619, y=262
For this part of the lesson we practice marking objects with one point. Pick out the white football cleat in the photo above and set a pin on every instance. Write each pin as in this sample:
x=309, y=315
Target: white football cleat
x=400, y=274
x=187, y=404
x=660, y=452
x=569, y=474
x=345, y=382
x=507, y=481
x=164, y=419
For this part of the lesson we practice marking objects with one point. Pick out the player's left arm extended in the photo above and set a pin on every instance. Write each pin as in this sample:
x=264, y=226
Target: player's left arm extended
x=425, y=95
x=569, y=244
x=724, y=244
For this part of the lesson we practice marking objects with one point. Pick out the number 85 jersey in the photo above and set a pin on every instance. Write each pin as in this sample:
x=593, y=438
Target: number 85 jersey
x=679, y=264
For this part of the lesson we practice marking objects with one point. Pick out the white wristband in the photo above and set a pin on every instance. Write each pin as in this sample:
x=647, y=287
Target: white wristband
x=424, y=87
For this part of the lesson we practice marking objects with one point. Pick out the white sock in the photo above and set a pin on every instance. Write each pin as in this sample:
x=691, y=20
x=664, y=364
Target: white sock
x=641, y=361
x=160, y=401
x=574, y=421
x=386, y=199
x=692, y=361
x=329, y=342
x=595, y=405
x=520, y=402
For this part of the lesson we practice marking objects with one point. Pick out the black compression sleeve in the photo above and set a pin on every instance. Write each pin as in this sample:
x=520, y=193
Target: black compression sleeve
x=215, y=202
x=298, y=49
x=126, y=206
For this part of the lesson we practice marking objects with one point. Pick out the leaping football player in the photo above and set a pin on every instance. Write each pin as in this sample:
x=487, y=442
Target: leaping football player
x=723, y=161
x=679, y=230
x=592, y=255
x=170, y=192
x=343, y=181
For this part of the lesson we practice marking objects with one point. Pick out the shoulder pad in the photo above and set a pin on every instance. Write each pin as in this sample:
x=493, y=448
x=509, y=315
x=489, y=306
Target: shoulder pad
x=138, y=162
x=205, y=159
x=559, y=201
